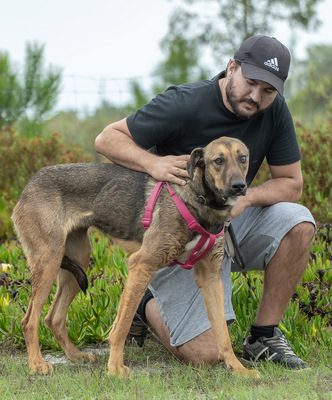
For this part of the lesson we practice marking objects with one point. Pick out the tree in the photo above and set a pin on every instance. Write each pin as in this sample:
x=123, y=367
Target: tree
x=312, y=103
x=181, y=63
x=28, y=97
x=181, y=51
x=223, y=24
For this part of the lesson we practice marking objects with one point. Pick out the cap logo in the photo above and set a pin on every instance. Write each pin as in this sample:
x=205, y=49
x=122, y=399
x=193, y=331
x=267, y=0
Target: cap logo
x=273, y=63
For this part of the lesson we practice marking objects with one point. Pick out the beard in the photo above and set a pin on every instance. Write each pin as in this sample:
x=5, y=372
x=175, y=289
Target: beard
x=236, y=102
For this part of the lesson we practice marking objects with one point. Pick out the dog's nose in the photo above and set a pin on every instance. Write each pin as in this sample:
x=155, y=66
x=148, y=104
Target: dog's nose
x=238, y=186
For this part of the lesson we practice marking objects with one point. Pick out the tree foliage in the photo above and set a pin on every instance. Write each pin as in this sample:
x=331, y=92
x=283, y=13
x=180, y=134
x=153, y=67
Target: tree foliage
x=27, y=97
x=227, y=23
x=312, y=101
x=181, y=51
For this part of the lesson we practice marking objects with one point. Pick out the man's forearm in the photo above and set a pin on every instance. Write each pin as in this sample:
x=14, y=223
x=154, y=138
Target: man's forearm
x=122, y=150
x=275, y=191
x=271, y=192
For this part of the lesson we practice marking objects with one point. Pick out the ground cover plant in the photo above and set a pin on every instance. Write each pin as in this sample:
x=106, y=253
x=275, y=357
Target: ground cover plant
x=308, y=318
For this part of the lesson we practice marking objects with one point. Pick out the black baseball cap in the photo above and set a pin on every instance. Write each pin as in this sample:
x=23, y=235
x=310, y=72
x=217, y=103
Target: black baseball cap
x=265, y=59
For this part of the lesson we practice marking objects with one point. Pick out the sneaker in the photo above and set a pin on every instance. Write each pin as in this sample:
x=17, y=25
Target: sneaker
x=275, y=349
x=137, y=332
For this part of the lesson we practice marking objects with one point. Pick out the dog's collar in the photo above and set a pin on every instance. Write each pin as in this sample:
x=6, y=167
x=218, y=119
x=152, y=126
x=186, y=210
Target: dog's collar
x=212, y=204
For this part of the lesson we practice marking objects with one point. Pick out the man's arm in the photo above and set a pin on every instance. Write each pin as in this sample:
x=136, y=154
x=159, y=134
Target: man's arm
x=117, y=144
x=286, y=185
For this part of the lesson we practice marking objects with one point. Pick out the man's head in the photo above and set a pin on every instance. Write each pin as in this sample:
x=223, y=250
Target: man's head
x=264, y=58
x=255, y=76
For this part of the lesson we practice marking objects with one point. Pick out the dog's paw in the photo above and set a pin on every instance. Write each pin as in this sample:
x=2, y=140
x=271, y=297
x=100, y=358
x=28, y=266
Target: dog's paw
x=236, y=368
x=120, y=371
x=43, y=368
x=89, y=357
x=81, y=357
x=246, y=372
x=253, y=373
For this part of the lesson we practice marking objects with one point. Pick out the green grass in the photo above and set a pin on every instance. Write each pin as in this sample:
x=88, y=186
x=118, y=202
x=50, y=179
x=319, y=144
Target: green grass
x=157, y=375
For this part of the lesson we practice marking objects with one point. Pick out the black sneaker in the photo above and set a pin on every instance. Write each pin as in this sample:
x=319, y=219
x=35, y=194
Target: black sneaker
x=275, y=349
x=137, y=332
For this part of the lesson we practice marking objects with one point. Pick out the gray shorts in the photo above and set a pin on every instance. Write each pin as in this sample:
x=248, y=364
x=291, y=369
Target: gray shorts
x=259, y=232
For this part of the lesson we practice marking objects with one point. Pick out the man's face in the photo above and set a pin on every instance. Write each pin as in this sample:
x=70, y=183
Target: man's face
x=246, y=97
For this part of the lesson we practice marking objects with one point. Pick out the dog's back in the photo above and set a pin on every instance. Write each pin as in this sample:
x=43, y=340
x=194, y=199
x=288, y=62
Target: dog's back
x=62, y=198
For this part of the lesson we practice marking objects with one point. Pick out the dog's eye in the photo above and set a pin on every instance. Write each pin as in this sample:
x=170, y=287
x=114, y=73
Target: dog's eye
x=243, y=159
x=219, y=161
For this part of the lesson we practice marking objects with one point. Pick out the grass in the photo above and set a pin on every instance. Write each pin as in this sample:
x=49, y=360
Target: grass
x=307, y=324
x=157, y=375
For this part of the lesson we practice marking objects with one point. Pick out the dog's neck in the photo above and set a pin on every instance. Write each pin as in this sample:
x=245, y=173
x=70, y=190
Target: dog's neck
x=213, y=204
x=208, y=198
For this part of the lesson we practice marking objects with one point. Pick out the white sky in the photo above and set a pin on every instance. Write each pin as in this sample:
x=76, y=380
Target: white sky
x=106, y=39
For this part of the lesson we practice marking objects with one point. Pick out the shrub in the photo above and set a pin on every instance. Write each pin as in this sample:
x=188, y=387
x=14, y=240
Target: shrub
x=20, y=159
x=317, y=171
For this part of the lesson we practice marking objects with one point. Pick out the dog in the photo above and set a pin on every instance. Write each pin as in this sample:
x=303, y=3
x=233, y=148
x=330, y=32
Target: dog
x=59, y=205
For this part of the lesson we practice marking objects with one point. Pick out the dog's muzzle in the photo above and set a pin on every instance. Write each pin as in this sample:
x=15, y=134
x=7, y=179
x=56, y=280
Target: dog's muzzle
x=238, y=187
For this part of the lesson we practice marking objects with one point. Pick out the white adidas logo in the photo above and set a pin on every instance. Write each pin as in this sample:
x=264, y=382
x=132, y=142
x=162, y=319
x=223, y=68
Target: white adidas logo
x=273, y=63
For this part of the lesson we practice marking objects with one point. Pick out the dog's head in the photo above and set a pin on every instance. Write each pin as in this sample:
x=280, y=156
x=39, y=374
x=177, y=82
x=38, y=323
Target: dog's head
x=222, y=166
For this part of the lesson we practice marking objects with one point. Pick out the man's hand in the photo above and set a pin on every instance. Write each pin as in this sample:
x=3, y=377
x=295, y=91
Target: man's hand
x=238, y=208
x=169, y=168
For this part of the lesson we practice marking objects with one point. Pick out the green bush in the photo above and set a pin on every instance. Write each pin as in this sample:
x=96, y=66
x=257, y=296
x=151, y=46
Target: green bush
x=317, y=171
x=20, y=159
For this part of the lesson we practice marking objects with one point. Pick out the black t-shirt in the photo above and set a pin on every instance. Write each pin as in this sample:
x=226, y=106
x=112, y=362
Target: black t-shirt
x=192, y=115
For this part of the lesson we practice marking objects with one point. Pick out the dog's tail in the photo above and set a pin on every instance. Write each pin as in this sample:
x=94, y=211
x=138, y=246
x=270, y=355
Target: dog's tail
x=79, y=273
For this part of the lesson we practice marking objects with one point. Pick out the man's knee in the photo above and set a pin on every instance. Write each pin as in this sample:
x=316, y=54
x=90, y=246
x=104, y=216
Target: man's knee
x=200, y=351
x=302, y=233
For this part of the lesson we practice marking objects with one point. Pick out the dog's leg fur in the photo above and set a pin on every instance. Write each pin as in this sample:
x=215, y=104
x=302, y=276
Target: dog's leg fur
x=208, y=279
x=142, y=266
x=45, y=246
x=78, y=248
x=43, y=273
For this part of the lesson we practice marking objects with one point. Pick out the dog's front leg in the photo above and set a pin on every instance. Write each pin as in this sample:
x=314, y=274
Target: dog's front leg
x=139, y=277
x=208, y=279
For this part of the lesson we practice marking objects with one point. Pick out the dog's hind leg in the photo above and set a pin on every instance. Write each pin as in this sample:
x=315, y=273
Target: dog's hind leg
x=78, y=248
x=43, y=273
x=208, y=279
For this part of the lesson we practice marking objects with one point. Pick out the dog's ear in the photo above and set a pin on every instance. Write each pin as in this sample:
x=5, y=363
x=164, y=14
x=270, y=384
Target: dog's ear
x=196, y=160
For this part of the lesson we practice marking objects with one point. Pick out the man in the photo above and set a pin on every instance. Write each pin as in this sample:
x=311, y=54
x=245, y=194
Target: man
x=273, y=232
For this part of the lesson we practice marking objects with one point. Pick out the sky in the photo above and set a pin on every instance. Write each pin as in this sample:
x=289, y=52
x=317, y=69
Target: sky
x=101, y=44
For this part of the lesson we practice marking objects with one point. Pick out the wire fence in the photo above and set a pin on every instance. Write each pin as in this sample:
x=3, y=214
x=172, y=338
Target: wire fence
x=79, y=92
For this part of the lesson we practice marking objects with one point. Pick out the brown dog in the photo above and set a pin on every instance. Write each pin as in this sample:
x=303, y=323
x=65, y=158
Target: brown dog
x=62, y=202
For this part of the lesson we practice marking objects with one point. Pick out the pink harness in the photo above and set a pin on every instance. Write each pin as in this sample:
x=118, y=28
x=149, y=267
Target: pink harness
x=197, y=253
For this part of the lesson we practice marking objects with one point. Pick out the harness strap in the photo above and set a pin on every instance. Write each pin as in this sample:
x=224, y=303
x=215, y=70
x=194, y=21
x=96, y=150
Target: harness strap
x=193, y=225
x=150, y=205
